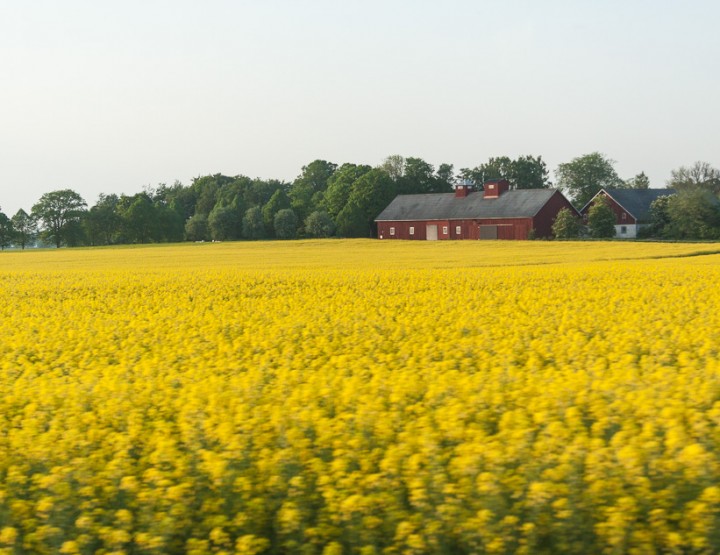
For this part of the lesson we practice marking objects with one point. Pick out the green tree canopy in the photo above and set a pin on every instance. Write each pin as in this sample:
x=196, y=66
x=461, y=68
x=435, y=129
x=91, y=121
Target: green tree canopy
x=59, y=213
x=340, y=186
x=197, y=228
x=525, y=172
x=140, y=219
x=278, y=201
x=370, y=195
x=700, y=175
x=694, y=214
x=7, y=231
x=285, y=224
x=659, y=216
x=25, y=227
x=253, y=226
x=640, y=181
x=319, y=224
x=601, y=219
x=566, y=225
x=307, y=190
x=584, y=176
x=225, y=223
x=103, y=221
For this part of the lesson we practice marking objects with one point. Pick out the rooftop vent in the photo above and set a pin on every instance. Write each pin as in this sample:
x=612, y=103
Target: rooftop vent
x=495, y=187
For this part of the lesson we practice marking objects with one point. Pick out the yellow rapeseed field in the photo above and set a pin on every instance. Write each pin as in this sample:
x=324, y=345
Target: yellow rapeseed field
x=361, y=397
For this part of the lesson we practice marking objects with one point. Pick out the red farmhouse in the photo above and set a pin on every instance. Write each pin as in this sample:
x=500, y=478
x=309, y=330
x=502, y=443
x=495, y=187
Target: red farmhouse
x=495, y=213
x=630, y=206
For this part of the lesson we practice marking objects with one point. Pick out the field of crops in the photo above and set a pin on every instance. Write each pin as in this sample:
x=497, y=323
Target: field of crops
x=361, y=397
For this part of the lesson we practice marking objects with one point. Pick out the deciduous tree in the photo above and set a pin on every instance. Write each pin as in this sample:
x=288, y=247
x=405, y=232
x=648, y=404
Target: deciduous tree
x=694, y=214
x=584, y=176
x=285, y=224
x=7, y=232
x=319, y=224
x=566, y=225
x=197, y=229
x=253, y=226
x=59, y=213
x=25, y=228
x=601, y=220
x=640, y=181
x=701, y=175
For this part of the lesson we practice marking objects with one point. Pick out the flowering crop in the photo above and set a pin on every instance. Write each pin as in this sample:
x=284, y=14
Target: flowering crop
x=361, y=397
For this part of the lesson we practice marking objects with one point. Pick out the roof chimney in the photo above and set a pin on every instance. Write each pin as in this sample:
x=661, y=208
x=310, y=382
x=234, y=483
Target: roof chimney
x=495, y=187
x=463, y=188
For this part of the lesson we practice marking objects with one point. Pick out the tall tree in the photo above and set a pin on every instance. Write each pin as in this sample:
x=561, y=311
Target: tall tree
x=529, y=172
x=525, y=172
x=103, y=221
x=418, y=177
x=279, y=201
x=319, y=224
x=253, y=226
x=224, y=222
x=197, y=229
x=371, y=194
x=394, y=166
x=640, y=181
x=445, y=176
x=60, y=212
x=307, y=190
x=701, y=175
x=694, y=214
x=25, y=227
x=285, y=224
x=140, y=219
x=340, y=186
x=584, y=176
x=7, y=232
x=659, y=216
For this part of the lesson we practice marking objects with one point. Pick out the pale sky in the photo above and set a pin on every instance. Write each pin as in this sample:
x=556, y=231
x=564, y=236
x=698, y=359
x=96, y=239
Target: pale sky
x=109, y=97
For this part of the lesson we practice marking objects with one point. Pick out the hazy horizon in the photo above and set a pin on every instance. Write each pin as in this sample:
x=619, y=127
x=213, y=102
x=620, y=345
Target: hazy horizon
x=106, y=98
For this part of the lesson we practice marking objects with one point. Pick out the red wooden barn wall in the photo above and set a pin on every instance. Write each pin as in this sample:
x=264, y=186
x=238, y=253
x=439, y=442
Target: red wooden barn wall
x=507, y=228
x=545, y=218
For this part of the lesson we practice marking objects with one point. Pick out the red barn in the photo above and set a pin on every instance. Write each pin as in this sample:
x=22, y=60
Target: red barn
x=495, y=213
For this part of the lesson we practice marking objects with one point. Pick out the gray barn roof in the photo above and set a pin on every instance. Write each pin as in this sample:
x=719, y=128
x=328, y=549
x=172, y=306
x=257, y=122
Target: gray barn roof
x=521, y=203
x=637, y=201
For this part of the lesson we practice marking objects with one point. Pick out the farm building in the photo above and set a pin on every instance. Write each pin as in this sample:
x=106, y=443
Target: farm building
x=495, y=213
x=631, y=208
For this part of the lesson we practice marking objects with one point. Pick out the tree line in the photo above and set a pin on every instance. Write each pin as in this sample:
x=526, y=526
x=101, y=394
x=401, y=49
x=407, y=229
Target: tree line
x=328, y=200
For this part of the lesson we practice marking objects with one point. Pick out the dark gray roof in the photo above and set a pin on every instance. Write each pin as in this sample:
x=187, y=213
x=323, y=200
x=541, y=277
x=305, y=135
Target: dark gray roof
x=521, y=203
x=637, y=201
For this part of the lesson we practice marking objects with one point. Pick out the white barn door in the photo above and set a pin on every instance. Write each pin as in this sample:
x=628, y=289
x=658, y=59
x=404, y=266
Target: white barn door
x=431, y=232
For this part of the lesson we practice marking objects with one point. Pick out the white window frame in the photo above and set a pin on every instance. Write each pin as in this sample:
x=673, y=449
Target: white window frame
x=458, y=230
x=412, y=230
x=445, y=230
x=392, y=231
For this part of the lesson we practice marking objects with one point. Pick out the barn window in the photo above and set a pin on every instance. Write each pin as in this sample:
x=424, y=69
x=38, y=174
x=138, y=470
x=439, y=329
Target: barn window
x=623, y=230
x=624, y=216
x=458, y=230
x=392, y=231
x=412, y=230
x=445, y=230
